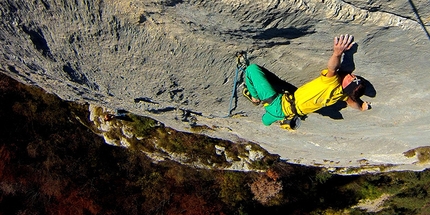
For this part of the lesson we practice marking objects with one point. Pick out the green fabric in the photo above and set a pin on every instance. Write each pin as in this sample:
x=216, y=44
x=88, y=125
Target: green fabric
x=260, y=88
x=273, y=112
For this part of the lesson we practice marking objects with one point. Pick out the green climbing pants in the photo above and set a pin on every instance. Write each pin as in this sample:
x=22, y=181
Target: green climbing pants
x=260, y=88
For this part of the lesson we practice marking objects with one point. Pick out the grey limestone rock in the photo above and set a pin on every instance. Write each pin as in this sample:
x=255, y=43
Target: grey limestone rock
x=173, y=60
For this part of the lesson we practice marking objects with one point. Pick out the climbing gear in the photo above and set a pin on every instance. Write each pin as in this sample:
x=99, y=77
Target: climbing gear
x=241, y=63
x=269, y=100
x=247, y=95
x=289, y=98
x=293, y=119
x=291, y=122
x=242, y=60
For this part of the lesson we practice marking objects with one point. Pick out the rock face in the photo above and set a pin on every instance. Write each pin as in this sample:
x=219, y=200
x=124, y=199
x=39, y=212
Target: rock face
x=174, y=61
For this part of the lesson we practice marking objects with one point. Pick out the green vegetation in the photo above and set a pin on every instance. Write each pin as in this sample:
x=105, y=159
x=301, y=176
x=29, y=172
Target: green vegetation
x=322, y=176
x=422, y=153
x=52, y=164
x=194, y=149
x=410, y=192
x=142, y=126
x=233, y=188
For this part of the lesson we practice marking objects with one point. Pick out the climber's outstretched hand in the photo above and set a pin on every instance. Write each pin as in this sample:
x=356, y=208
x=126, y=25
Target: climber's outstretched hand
x=342, y=44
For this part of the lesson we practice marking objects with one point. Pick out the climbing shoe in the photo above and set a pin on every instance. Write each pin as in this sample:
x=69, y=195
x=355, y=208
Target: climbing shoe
x=291, y=122
x=247, y=95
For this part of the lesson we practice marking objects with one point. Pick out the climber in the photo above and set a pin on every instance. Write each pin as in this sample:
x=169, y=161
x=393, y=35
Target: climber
x=330, y=87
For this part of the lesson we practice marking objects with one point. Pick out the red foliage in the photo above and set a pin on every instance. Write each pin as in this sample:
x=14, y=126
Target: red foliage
x=272, y=174
x=75, y=203
x=4, y=160
x=265, y=189
x=52, y=187
x=191, y=204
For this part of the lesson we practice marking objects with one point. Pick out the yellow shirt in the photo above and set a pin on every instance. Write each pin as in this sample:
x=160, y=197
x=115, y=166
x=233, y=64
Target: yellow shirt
x=320, y=92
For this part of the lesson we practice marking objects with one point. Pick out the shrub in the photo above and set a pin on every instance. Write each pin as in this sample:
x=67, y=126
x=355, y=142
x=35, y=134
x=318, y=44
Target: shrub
x=266, y=189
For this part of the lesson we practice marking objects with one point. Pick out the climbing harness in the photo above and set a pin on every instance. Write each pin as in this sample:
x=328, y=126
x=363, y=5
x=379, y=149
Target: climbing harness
x=241, y=63
x=293, y=119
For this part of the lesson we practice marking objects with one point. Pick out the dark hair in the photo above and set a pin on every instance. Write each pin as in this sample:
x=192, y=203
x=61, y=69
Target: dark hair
x=358, y=92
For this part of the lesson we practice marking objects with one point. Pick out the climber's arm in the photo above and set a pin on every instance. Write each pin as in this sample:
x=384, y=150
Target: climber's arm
x=360, y=105
x=341, y=44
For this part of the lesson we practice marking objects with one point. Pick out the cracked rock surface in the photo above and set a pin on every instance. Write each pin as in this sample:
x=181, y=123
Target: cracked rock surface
x=173, y=60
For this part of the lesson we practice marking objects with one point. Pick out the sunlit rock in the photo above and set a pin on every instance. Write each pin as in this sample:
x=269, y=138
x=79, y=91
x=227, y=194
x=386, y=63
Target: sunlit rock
x=174, y=61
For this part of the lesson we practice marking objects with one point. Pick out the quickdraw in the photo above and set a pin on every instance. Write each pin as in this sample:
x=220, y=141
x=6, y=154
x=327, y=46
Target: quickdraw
x=241, y=64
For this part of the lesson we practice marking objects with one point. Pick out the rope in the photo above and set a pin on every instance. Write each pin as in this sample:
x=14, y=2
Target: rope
x=242, y=63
